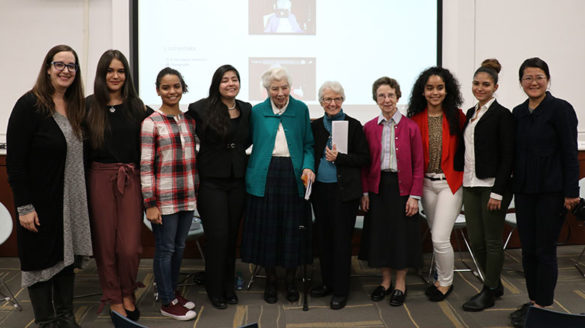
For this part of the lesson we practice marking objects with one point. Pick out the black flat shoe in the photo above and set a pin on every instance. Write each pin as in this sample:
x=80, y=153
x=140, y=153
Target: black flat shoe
x=485, y=299
x=338, y=302
x=218, y=303
x=232, y=298
x=380, y=293
x=520, y=312
x=133, y=315
x=321, y=291
x=397, y=297
x=270, y=295
x=438, y=296
x=430, y=289
x=292, y=293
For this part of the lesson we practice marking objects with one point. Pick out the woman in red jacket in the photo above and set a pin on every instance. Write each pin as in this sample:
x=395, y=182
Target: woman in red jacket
x=434, y=106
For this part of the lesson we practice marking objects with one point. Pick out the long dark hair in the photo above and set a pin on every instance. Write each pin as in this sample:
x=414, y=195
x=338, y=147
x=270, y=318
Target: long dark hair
x=44, y=90
x=96, y=121
x=218, y=116
x=451, y=104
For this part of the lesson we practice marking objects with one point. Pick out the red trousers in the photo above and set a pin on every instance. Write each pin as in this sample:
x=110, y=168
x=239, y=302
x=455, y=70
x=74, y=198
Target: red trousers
x=115, y=204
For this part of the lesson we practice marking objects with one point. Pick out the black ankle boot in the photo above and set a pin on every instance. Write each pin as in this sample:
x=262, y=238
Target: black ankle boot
x=41, y=298
x=485, y=299
x=63, y=298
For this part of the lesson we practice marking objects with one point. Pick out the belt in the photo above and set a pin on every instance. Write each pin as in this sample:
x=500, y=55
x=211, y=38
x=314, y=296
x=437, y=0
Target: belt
x=435, y=178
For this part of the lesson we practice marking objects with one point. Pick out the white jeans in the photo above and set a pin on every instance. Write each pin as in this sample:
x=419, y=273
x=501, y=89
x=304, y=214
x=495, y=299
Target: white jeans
x=442, y=207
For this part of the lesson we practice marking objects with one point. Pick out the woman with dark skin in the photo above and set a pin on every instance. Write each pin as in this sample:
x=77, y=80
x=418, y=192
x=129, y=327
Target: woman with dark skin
x=546, y=180
x=434, y=106
x=223, y=131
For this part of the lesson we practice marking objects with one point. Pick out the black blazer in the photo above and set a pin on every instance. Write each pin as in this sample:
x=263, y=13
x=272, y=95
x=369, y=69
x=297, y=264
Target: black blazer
x=35, y=161
x=493, y=146
x=221, y=157
x=546, y=148
x=348, y=165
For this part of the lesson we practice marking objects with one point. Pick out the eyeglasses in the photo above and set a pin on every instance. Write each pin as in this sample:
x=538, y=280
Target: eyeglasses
x=530, y=78
x=61, y=66
x=328, y=100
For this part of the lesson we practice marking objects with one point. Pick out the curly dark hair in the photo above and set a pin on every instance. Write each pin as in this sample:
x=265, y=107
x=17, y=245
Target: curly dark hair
x=451, y=104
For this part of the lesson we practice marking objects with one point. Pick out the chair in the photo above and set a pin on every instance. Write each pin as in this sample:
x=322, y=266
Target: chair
x=578, y=263
x=5, y=231
x=511, y=221
x=544, y=318
x=195, y=232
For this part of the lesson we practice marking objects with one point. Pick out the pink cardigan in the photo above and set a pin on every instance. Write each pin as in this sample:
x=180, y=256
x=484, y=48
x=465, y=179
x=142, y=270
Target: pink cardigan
x=409, y=156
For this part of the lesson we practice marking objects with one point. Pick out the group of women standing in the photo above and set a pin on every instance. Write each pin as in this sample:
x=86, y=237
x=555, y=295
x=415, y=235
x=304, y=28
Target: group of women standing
x=137, y=159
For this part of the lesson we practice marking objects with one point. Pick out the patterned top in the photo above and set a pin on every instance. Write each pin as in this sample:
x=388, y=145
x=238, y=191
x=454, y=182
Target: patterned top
x=435, y=144
x=167, y=163
x=76, y=230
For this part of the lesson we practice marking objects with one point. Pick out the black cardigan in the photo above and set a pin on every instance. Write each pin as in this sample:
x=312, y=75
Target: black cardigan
x=546, y=148
x=36, y=152
x=493, y=145
x=348, y=165
x=215, y=158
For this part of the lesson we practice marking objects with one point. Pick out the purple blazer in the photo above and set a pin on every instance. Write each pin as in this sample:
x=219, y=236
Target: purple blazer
x=409, y=157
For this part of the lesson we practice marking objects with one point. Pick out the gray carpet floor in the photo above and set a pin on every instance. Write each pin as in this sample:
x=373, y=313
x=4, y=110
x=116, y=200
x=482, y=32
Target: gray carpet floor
x=360, y=311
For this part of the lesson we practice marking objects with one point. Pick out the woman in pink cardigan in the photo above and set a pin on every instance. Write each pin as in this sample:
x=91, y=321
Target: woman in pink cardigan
x=392, y=187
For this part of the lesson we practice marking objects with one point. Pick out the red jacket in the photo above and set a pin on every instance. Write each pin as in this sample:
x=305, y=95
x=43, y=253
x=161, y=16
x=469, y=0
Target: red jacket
x=409, y=157
x=450, y=143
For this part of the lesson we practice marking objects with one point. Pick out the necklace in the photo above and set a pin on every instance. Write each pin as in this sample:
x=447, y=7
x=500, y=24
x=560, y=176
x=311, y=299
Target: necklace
x=233, y=107
x=112, y=109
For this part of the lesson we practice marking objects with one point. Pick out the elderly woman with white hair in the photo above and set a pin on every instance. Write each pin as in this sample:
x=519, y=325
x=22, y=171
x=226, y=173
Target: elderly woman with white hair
x=336, y=193
x=281, y=160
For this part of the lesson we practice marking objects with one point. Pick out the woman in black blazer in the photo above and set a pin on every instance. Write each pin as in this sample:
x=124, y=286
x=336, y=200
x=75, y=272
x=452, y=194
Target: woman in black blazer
x=546, y=180
x=336, y=193
x=486, y=158
x=222, y=128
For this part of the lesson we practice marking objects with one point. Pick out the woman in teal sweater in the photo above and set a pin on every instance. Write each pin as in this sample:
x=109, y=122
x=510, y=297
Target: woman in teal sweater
x=281, y=160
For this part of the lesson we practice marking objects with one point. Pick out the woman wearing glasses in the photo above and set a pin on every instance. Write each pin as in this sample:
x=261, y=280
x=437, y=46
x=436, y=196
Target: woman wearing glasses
x=546, y=180
x=336, y=193
x=46, y=173
x=392, y=188
x=114, y=115
x=434, y=106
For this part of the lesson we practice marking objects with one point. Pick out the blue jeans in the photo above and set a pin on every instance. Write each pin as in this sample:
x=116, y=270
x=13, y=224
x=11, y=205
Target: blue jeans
x=169, y=246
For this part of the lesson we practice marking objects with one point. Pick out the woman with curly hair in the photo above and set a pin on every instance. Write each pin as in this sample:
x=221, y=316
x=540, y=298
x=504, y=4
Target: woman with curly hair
x=434, y=106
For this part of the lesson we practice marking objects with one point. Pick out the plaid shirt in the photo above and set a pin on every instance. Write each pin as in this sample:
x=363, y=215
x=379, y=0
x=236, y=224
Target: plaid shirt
x=167, y=163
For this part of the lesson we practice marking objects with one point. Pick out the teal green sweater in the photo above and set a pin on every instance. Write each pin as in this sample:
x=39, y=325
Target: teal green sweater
x=299, y=138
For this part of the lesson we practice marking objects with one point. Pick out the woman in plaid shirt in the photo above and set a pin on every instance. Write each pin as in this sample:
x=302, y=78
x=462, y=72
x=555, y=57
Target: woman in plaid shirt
x=167, y=172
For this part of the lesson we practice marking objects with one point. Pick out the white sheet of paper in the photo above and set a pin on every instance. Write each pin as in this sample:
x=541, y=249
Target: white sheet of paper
x=339, y=132
x=308, y=190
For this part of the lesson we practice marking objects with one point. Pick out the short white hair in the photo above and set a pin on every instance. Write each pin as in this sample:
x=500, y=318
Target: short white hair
x=333, y=86
x=275, y=74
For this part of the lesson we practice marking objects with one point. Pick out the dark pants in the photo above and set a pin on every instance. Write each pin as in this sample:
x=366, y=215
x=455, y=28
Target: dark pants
x=540, y=219
x=52, y=300
x=334, y=224
x=485, y=229
x=115, y=203
x=221, y=206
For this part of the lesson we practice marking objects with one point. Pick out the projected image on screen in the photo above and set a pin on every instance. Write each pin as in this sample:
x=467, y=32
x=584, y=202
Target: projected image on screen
x=281, y=16
x=301, y=71
x=353, y=42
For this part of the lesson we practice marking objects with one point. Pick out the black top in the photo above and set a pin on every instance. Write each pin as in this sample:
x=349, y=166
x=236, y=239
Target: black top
x=546, y=148
x=35, y=158
x=493, y=146
x=221, y=157
x=122, y=138
x=348, y=165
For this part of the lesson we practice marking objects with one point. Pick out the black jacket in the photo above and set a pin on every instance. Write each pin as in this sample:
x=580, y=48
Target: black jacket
x=348, y=165
x=221, y=157
x=493, y=144
x=546, y=148
x=36, y=171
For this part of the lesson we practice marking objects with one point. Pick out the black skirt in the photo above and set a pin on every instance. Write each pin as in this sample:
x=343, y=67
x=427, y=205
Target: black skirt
x=390, y=238
x=272, y=233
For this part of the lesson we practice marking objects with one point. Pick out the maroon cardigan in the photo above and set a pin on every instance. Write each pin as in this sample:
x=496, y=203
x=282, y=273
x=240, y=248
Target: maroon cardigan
x=409, y=157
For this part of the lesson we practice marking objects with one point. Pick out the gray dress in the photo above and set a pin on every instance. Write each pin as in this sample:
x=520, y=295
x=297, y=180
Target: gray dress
x=76, y=230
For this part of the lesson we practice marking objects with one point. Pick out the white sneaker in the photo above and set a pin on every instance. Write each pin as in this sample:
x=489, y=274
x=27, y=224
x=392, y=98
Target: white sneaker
x=176, y=311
